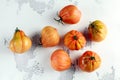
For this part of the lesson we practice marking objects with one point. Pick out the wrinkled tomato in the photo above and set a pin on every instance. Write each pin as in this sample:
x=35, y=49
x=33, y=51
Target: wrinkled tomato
x=89, y=61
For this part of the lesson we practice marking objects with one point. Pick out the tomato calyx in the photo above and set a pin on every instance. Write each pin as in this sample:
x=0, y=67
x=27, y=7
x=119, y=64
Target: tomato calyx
x=95, y=28
x=59, y=20
x=75, y=37
x=16, y=30
x=92, y=58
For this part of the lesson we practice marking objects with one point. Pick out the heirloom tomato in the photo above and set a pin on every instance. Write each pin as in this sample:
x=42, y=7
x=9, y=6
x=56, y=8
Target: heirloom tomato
x=49, y=36
x=74, y=40
x=70, y=14
x=20, y=43
x=97, y=31
x=89, y=61
x=60, y=60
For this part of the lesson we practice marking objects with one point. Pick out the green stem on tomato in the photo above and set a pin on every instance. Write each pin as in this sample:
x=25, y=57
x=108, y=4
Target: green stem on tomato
x=92, y=58
x=75, y=37
x=59, y=20
x=16, y=30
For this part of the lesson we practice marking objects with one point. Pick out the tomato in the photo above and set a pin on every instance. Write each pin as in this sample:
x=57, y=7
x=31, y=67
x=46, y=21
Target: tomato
x=97, y=31
x=74, y=40
x=89, y=61
x=49, y=36
x=20, y=43
x=70, y=14
x=60, y=60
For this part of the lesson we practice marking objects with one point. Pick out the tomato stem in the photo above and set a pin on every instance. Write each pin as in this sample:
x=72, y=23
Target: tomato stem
x=92, y=58
x=16, y=30
x=93, y=26
x=75, y=37
x=59, y=20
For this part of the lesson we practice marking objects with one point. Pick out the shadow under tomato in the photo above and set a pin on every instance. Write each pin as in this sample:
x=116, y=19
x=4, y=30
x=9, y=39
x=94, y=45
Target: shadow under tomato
x=89, y=42
x=36, y=40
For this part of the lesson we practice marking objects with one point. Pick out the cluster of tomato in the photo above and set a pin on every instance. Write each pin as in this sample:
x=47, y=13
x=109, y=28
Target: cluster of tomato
x=73, y=40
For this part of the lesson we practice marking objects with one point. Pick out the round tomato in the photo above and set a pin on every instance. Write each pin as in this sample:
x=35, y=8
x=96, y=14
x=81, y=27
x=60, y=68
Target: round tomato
x=70, y=14
x=74, y=40
x=60, y=60
x=89, y=61
x=49, y=36
x=97, y=31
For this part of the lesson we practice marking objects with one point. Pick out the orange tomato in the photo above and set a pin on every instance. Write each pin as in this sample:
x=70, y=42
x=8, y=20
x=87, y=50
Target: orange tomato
x=49, y=36
x=60, y=60
x=74, y=40
x=20, y=43
x=70, y=14
x=89, y=61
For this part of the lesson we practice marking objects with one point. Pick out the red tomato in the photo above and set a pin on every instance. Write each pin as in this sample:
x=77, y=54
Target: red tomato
x=70, y=14
x=89, y=61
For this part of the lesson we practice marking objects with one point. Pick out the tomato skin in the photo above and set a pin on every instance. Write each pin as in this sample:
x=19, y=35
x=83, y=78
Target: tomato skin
x=49, y=36
x=74, y=40
x=89, y=61
x=97, y=31
x=20, y=43
x=70, y=14
x=60, y=60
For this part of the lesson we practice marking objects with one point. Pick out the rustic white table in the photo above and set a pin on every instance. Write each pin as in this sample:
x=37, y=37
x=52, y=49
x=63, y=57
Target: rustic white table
x=32, y=15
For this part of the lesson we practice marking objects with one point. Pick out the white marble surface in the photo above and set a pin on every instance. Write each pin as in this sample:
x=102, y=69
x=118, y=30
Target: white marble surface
x=32, y=15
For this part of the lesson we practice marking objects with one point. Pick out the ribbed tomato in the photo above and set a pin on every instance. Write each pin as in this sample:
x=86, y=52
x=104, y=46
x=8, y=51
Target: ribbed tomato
x=89, y=61
x=74, y=40
x=20, y=43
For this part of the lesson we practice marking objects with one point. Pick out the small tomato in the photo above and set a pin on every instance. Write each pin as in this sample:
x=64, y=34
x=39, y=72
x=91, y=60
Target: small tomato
x=20, y=43
x=74, y=40
x=89, y=61
x=97, y=31
x=49, y=36
x=60, y=60
x=70, y=14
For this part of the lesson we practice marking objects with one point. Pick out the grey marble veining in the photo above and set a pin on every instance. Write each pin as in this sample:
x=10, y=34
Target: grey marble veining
x=37, y=5
x=34, y=64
